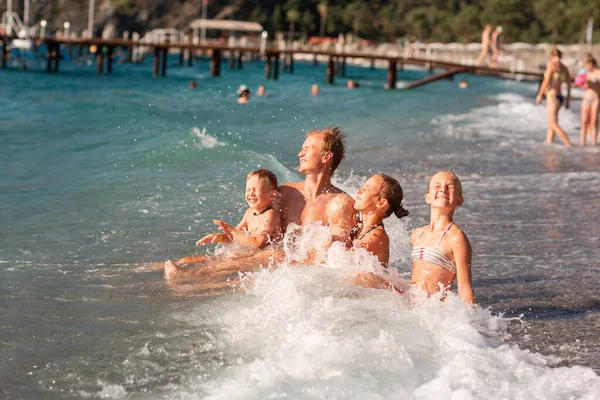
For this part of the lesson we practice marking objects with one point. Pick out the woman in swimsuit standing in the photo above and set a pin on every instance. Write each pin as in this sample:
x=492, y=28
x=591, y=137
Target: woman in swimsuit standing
x=441, y=250
x=591, y=101
x=556, y=73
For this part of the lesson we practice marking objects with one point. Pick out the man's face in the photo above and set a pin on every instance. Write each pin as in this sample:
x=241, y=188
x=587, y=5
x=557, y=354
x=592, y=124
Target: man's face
x=312, y=158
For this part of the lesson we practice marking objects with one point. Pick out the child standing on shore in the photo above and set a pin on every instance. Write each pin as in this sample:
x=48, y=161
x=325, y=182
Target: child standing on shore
x=441, y=250
x=260, y=226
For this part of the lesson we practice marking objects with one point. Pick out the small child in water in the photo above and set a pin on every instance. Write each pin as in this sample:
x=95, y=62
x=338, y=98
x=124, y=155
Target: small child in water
x=441, y=250
x=260, y=226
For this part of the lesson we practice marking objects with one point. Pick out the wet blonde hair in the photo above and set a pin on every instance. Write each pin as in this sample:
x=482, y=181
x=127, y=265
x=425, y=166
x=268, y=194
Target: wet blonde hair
x=264, y=175
x=456, y=178
x=334, y=141
x=393, y=193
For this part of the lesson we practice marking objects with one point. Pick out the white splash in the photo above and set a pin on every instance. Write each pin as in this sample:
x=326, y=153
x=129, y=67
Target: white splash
x=306, y=332
x=205, y=141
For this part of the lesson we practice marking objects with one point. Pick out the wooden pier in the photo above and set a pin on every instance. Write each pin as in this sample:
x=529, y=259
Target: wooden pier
x=336, y=61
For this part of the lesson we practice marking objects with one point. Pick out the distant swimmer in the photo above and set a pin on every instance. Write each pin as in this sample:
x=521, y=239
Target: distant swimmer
x=193, y=85
x=463, y=84
x=244, y=94
x=486, y=50
x=591, y=101
x=314, y=89
x=261, y=91
x=379, y=198
x=496, y=44
x=556, y=74
x=441, y=250
x=352, y=84
x=259, y=228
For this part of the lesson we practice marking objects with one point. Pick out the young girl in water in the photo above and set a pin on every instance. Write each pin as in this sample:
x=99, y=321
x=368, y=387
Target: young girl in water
x=556, y=73
x=441, y=250
x=260, y=226
x=380, y=197
x=591, y=101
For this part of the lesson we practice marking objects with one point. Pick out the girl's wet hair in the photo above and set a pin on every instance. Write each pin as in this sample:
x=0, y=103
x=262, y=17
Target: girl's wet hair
x=393, y=193
x=556, y=52
x=266, y=175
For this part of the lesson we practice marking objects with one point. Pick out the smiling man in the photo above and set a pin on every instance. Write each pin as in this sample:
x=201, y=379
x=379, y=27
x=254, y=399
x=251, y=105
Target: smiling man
x=315, y=199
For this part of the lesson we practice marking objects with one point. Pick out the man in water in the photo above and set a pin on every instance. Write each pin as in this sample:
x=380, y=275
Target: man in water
x=313, y=200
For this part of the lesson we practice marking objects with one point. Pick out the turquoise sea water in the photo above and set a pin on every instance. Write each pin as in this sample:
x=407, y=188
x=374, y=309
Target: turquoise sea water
x=103, y=175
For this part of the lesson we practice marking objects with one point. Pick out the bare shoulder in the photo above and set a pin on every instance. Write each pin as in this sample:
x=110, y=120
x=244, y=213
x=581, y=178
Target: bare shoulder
x=270, y=214
x=291, y=186
x=457, y=236
x=340, y=202
x=416, y=232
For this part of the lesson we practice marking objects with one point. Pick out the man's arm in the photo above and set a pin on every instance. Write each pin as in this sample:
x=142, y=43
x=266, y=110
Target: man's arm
x=340, y=217
x=461, y=248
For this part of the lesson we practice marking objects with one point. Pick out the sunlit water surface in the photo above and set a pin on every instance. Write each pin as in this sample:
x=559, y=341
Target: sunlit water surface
x=103, y=175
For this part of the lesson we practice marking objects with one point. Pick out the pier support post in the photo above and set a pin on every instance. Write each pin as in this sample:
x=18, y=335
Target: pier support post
x=4, y=54
x=329, y=72
x=80, y=51
x=343, y=67
x=48, y=56
x=99, y=60
x=315, y=61
x=155, y=63
x=181, y=57
x=276, y=67
x=56, y=56
x=215, y=63
x=109, y=59
x=190, y=52
x=163, y=71
x=284, y=63
x=372, y=63
x=391, y=75
x=231, y=60
x=291, y=63
x=240, y=60
x=268, y=67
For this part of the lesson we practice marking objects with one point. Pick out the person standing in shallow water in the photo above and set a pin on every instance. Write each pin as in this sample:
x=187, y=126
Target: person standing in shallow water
x=591, y=101
x=486, y=50
x=556, y=73
x=441, y=250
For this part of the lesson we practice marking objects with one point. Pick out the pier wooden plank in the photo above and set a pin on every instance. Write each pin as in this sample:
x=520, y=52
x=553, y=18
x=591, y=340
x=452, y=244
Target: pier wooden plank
x=436, y=77
x=220, y=48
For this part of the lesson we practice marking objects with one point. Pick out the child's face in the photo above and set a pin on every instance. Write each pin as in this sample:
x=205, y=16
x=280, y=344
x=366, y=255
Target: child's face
x=258, y=193
x=444, y=191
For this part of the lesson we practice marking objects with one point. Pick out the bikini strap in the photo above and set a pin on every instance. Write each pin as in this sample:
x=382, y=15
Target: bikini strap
x=419, y=237
x=443, y=234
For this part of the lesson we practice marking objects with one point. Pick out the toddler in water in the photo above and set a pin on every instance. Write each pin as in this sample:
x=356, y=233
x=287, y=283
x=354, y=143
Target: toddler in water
x=441, y=250
x=260, y=226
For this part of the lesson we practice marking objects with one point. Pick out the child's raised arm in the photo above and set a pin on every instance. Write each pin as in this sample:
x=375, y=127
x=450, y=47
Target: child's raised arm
x=269, y=231
x=461, y=248
x=213, y=238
